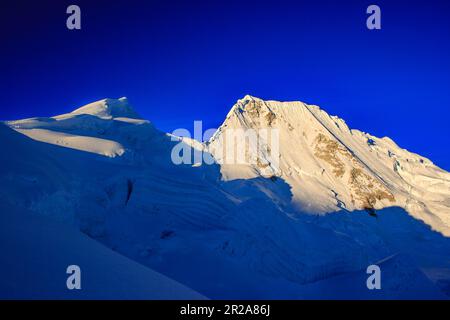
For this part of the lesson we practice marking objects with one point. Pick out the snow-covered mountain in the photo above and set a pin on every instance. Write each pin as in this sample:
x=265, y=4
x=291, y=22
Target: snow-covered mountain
x=300, y=226
x=331, y=167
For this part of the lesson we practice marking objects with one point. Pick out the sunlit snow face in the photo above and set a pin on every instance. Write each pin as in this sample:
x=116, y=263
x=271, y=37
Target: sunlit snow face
x=232, y=146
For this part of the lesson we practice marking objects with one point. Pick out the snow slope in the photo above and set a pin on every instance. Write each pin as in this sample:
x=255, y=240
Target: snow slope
x=332, y=167
x=339, y=201
x=85, y=128
x=36, y=249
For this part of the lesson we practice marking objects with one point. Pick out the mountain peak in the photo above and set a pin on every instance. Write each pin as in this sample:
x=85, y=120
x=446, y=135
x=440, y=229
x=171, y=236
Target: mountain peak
x=109, y=108
x=249, y=97
x=247, y=103
x=328, y=165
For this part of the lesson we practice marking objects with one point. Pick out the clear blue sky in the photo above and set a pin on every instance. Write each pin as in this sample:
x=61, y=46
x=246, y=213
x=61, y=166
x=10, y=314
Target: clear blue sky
x=180, y=61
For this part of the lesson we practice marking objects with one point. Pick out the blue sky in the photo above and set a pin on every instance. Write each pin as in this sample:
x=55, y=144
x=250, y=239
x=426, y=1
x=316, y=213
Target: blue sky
x=180, y=61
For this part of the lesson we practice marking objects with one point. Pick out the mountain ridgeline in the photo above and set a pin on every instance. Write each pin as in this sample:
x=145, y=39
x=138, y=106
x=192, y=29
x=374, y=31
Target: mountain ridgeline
x=295, y=223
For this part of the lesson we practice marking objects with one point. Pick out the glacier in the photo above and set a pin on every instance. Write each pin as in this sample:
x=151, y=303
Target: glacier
x=100, y=180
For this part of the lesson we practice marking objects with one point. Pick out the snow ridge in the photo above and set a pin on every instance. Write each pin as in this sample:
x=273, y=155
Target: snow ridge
x=320, y=157
x=109, y=108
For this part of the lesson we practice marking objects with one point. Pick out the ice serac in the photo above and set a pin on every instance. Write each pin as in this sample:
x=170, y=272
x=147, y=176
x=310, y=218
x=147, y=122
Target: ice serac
x=331, y=167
